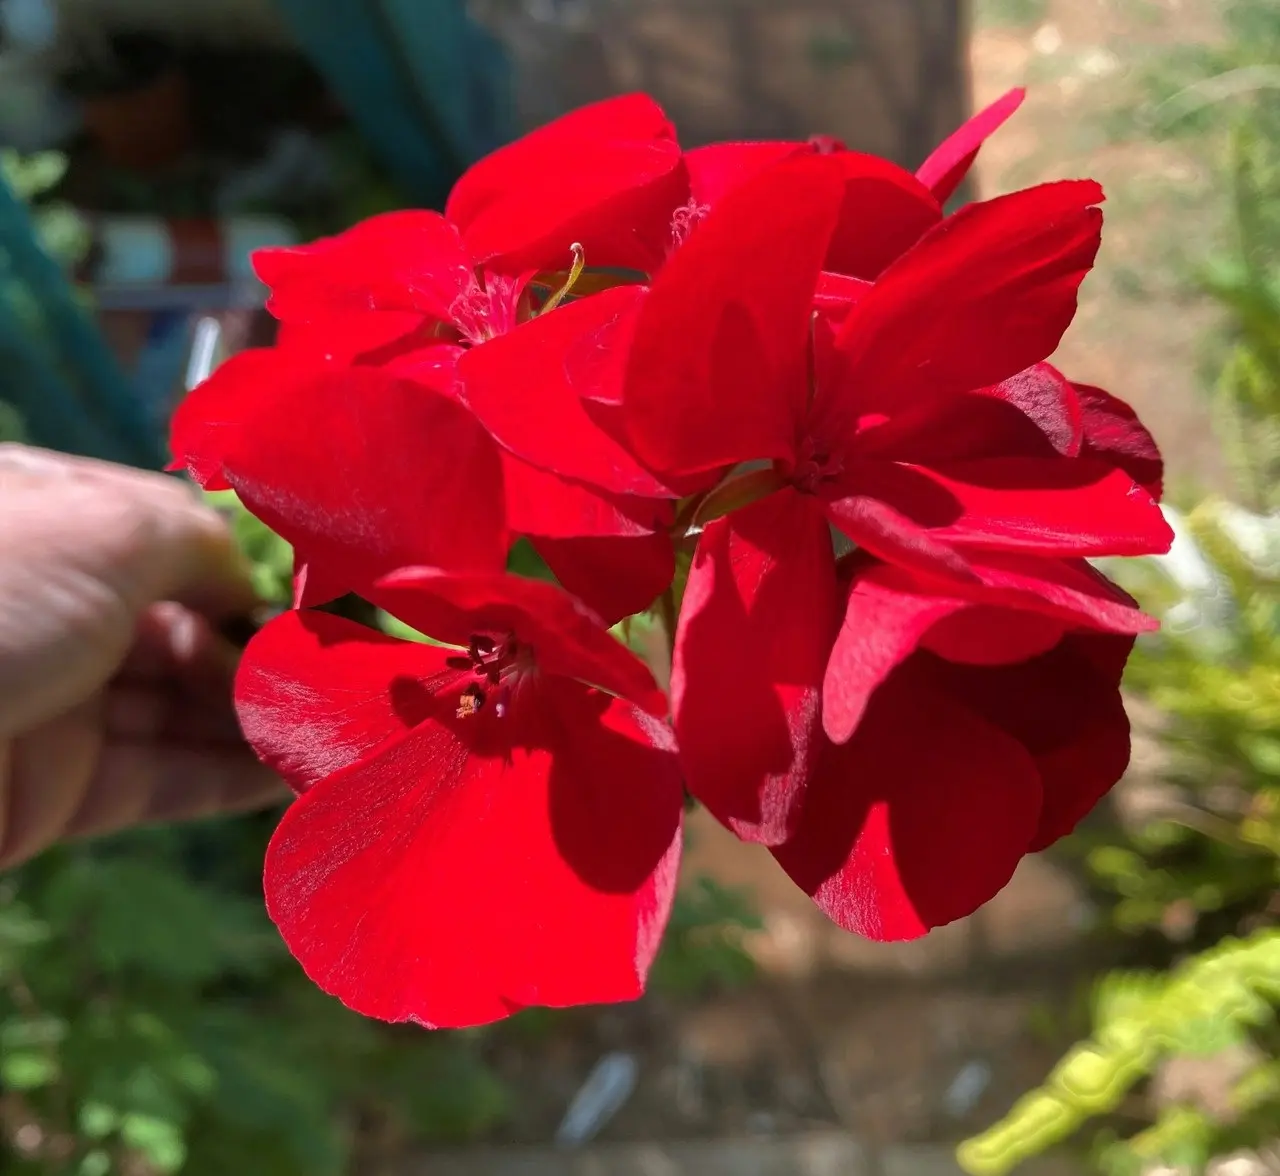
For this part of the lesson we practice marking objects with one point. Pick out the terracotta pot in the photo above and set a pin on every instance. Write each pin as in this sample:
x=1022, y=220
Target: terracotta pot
x=145, y=127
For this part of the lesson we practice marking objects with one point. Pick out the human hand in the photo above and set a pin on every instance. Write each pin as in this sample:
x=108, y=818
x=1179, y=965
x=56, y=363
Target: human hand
x=115, y=688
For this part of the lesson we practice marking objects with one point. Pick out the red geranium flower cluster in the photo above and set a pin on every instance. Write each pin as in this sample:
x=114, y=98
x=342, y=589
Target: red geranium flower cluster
x=770, y=386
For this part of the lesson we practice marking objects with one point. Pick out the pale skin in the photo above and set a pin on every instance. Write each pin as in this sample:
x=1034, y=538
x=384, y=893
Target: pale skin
x=115, y=687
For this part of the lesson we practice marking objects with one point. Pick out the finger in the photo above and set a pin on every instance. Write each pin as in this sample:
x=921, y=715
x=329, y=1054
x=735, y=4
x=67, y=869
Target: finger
x=163, y=716
x=173, y=643
x=104, y=789
x=45, y=778
x=150, y=531
x=141, y=784
x=83, y=553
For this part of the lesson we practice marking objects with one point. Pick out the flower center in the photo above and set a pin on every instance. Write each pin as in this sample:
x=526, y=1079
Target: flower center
x=486, y=308
x=498, y=666
x=814, y=466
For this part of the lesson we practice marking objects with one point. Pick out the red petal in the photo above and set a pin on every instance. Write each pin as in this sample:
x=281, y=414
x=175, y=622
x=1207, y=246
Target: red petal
x=615, y=577
x=884, y=623
x=1069, y=590
x=891, y=613
x=345, y=336
x=399, y=261
x=759, y=613
x=435, y=366
x=886, y=210
x=316, y=693
x=715, y=170
x=982, y=635
x=1113, y=433
x=838, y=292
x=1051, y=507
x=1067, y=711
x=984, y=295
x=209, y=421
x=542, y=504
x=889, y=534
x=1045, y=397
x=719, y=363
x=918, y=820
x=607, y=176
x=342, y=467
x=567, y=640
x=520, y=386
x=436, y=884
x=315, y=583
x=953, y=428
x=945, y=169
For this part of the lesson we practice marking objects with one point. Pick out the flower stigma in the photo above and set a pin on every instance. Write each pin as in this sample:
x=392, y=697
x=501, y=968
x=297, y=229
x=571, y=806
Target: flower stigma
x=575, y=272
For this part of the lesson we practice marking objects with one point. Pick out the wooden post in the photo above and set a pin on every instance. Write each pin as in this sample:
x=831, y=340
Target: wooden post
x=886, y=76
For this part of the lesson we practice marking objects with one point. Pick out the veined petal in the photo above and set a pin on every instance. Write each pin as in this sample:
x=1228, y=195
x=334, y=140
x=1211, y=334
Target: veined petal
x=759, y=613
x=1045, y=396
x=1112, y=433
x=345, y=336
x=210, y=419
x=1051, y=507
x=450, y=885
x=1070, y=590
x=347, y=468
x=918, y=820
x=963, y=427
x=984, y=295
x=891, y=613
x=316, y=693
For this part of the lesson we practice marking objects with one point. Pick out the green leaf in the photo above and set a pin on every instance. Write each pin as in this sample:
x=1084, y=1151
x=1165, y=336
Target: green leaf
x=97, y=1120
x=161, y=1142
x=24, y=1069
x=395, y=627
x=96, y=1163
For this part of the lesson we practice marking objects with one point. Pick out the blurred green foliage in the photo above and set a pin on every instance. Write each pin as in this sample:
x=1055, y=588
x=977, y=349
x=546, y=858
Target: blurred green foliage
x=1197, y=875
x=151, y=1021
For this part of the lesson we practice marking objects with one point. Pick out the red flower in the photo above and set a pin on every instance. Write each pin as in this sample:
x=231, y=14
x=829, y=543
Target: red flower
x=612, y=177
x=375, y=321
x=984, y=730
x=920, y=426
x=482, y=826
x=781, y=348
x=636, y=200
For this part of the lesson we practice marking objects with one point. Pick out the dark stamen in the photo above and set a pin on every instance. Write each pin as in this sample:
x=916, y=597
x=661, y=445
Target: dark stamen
x=470, y=702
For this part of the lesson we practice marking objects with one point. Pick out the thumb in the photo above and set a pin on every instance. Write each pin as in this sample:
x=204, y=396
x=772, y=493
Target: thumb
x=85, y=548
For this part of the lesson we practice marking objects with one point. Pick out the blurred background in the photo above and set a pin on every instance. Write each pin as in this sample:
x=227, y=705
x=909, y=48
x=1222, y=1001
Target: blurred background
x=1112, y=1011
